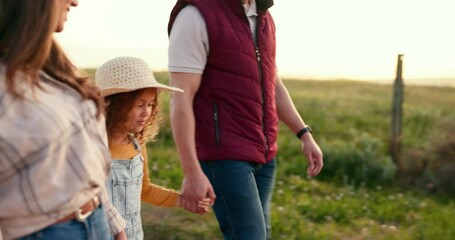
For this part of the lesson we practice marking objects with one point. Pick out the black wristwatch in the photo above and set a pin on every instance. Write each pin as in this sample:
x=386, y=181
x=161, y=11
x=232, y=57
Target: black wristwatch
x=304, y=130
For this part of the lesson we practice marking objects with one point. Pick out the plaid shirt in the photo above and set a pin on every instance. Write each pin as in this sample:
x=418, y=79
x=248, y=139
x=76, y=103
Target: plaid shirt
x=54, y=156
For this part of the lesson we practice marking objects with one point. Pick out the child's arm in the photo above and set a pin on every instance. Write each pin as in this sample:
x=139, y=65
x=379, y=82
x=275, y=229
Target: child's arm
x=160, y=196
x=152, y=193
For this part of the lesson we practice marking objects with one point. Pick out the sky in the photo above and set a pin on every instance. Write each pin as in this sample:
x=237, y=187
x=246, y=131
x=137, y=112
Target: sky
x=323, y=39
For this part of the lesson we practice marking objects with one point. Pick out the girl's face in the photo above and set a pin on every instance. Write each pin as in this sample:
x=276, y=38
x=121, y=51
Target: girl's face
x=141, y=110
x=65, y=9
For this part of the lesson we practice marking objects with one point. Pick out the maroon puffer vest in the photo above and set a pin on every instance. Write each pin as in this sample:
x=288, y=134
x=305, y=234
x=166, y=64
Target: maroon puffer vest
x=234, y=107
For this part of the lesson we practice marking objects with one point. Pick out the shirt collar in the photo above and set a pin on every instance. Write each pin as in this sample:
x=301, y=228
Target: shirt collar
x=251, y=10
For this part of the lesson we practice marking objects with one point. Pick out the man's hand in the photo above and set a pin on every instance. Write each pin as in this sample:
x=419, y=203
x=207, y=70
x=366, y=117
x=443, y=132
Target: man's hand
x=313, y=154
x=203, y=205
x=195, y=190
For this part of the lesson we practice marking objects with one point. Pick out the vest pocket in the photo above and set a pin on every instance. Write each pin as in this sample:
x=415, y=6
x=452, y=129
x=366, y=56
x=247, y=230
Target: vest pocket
x=215, y=120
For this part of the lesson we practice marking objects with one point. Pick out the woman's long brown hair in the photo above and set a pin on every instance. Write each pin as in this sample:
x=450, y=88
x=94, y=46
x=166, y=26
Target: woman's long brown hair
x=27, y=45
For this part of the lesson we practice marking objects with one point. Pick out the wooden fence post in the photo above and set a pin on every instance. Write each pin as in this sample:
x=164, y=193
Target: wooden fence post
x=397, y=115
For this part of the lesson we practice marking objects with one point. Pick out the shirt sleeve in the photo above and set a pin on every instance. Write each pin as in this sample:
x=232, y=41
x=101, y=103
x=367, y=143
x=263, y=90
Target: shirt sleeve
x=115, y=220
x=188, y=42
x=152, y=193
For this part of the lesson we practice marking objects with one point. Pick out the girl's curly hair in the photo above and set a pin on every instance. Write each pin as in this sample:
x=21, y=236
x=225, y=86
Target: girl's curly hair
x=117, y=110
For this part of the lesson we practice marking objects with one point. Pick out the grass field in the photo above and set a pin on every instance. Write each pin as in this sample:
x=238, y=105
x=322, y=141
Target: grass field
x=356, y=196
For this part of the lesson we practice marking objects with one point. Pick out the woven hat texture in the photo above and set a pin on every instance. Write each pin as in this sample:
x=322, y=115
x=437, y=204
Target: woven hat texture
x=126, y=74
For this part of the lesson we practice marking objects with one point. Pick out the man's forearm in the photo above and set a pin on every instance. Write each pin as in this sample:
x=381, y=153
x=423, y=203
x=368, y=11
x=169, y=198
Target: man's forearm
x=183, y=130
x=286, y=108
x=182, y=120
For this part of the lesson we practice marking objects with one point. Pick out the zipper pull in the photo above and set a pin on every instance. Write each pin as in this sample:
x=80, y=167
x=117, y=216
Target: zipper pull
x=258, y=54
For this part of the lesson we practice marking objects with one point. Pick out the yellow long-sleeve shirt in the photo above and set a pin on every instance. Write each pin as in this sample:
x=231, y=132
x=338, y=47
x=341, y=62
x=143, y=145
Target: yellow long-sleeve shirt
x=151, y=193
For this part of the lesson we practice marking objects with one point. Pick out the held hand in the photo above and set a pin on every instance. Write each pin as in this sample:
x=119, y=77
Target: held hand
x=313, y=154
x=196, y=188
x=203, y=205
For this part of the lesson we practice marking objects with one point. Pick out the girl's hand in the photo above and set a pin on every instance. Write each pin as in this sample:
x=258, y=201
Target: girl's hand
x=203, y=205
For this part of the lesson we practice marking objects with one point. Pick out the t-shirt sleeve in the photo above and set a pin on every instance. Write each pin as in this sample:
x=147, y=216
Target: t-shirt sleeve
x=188, y=42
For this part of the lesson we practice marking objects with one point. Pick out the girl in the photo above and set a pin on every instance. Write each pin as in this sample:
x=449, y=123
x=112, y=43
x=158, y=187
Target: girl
x=131, y=92
x=54, y=156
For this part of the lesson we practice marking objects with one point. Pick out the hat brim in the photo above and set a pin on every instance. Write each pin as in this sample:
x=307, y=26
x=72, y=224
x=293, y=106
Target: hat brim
x=159, y=86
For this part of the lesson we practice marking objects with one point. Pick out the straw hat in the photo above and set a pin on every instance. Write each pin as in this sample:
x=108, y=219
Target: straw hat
x=126, y=74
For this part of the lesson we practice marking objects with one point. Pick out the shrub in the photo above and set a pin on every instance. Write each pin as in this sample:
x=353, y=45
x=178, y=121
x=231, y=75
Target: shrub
x=361, y=161
x=440, y=152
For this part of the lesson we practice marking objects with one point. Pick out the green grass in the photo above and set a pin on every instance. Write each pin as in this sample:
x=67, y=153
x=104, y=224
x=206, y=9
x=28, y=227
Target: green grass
x=356, y=196
x=308, y=209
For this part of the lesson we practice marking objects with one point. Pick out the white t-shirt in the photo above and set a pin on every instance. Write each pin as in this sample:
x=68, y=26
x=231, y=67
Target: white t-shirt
x=189, y=42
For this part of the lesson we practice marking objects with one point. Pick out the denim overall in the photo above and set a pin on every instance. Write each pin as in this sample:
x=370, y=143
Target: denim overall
x=124, y=186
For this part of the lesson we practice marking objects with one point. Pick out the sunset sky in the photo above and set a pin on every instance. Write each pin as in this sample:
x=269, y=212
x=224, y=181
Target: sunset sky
x=324, y=39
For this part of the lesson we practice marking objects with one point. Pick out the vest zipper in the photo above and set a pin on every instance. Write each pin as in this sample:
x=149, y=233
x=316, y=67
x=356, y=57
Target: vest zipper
x=258, y=59
x=215, y=120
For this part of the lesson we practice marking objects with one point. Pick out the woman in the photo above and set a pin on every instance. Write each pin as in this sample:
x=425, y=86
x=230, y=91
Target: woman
x=54, y=157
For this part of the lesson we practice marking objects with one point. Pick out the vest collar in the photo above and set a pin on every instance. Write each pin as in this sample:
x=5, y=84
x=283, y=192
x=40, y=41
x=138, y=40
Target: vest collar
x=264, y=5
x=261, y=5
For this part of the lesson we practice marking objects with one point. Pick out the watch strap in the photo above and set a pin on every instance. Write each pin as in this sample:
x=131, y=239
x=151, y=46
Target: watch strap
x=304, y=130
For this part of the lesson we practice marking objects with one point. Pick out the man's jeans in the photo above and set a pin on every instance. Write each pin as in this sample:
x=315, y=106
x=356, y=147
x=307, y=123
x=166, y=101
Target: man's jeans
x=243, y=191
x=95, y=227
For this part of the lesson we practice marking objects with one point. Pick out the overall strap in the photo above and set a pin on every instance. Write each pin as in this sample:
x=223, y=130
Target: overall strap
x=135, y=142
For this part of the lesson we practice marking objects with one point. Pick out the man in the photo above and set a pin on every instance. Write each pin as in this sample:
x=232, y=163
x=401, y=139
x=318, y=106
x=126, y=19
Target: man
x=225, y=124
